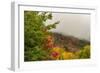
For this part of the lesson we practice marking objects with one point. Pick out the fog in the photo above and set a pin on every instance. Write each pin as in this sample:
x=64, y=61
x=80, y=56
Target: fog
x=77, y=25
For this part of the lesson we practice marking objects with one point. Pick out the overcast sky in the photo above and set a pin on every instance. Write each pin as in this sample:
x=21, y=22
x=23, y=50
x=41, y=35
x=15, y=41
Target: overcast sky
x=77, y=25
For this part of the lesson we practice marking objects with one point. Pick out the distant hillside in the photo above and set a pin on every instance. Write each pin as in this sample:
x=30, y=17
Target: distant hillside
x=70, y=43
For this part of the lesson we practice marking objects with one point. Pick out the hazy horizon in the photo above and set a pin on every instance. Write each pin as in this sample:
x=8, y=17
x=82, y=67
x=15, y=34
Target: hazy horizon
x=77, y=25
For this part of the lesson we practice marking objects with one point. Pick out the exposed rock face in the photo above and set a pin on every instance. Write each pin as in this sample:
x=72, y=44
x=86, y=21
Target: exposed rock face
x=70, y=43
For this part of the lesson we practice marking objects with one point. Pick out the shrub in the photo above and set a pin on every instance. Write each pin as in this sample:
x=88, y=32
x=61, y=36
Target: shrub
x=84, y=53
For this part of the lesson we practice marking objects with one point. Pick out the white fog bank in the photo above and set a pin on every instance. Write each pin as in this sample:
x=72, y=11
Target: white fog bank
x=77, y=25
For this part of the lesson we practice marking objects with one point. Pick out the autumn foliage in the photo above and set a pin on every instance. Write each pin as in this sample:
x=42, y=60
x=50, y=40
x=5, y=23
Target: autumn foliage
x=41, y=44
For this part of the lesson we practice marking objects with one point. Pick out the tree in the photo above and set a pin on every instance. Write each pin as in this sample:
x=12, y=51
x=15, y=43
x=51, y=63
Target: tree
x=35, y=33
